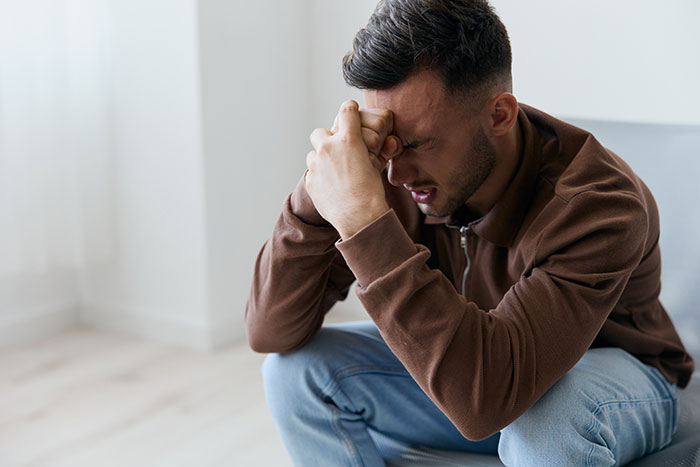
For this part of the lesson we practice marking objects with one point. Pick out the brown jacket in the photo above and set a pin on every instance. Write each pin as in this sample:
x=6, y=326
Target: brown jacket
x=566, y=260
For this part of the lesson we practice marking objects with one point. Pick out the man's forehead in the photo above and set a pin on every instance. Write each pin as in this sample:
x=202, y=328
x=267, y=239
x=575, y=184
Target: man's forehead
x=420, y=91
x=417, y=103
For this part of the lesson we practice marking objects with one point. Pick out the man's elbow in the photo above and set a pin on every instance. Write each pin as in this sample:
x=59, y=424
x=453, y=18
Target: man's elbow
x=478, y=433
x=269, y=329
x=485, y=421
x=266, y=339
x=264, y=345
x=259, y=344
x=259, y=339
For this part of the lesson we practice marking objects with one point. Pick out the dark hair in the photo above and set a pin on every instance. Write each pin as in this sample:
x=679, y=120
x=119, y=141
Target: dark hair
x=463, y=40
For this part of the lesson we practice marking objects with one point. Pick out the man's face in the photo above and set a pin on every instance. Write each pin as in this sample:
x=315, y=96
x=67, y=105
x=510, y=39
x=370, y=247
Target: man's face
x=446, y=155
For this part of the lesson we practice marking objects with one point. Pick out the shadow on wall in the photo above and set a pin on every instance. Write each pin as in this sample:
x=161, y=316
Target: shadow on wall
x=667, y=158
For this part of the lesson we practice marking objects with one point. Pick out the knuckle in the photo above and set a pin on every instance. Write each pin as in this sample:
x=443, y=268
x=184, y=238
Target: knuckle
x=372, y=139
x=313, y=134
x=310, y=157
x=382, y=124
x=348, y=106
x=324, y=147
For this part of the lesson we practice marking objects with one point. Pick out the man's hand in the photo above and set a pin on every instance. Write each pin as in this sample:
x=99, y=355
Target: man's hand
x=377, y=124
x=344, y=176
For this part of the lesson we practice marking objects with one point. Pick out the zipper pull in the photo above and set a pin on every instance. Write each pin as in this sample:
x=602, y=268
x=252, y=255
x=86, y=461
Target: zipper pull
x=463, y=241
x=463, y=236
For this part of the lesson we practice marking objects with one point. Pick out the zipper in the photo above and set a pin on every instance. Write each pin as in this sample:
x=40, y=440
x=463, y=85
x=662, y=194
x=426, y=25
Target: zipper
x=463, y=242
x=463, y=231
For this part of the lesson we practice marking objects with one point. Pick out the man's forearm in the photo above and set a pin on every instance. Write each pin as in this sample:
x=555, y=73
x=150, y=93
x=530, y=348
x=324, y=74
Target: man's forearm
x=298, y=277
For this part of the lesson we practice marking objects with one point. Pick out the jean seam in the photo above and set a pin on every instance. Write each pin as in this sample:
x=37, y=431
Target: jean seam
x=594, y=422
x=350, y=449
x=652, y=400
x=672, y=391
x=332, y=388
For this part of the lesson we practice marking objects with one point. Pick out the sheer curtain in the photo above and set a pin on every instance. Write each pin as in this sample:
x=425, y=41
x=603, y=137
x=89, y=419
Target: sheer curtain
x=56, y=187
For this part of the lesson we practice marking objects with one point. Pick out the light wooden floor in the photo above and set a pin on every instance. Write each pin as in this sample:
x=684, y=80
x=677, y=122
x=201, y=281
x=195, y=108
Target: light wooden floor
x=87, y=398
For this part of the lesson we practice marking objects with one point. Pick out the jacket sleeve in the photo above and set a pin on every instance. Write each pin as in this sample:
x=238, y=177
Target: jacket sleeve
x=484, y=368
x=299, y=275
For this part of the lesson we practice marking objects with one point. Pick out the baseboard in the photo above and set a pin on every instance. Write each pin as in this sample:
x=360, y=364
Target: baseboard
x=148, y=326
x=38, y=324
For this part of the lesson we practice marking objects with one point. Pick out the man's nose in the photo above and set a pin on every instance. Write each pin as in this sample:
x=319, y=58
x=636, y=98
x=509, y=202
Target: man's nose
x=400, y=171
x=392, y=151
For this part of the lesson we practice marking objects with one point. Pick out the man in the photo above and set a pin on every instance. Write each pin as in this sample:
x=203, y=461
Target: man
x=509, y=262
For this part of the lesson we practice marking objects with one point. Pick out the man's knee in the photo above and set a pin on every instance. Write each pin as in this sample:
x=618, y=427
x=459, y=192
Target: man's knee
x=284, y=371
x=283, y=380
x=291, y=372
x=273, y=369
x=560, y=427
x=564, y=404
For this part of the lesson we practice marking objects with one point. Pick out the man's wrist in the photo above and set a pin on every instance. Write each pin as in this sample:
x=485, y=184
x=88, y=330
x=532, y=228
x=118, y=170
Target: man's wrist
x=378, y=249
x=303, y=206
x=355, y=223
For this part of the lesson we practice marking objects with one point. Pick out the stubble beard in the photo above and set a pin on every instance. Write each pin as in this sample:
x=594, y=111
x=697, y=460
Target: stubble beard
x=468, y=177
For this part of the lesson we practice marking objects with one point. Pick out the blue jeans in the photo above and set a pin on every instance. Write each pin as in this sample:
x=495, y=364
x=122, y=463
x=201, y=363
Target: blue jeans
x=329, y=398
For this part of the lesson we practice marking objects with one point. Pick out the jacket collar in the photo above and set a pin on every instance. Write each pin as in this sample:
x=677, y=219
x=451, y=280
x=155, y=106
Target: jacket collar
x=501, y=224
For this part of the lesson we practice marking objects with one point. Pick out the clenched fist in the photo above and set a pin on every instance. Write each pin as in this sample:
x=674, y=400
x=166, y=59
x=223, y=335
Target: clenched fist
x=344, y=169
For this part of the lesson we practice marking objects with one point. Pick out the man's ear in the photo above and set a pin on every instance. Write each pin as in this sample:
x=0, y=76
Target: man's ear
x=503, y=113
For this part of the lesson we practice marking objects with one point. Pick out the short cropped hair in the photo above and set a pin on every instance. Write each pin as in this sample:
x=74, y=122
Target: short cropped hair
x=463, y=40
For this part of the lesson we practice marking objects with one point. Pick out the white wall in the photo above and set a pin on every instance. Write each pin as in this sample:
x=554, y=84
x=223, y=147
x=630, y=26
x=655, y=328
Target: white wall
x=255, y=101
x=155, y=284
x=192, y=128
x=53, y=147
x=624, y=60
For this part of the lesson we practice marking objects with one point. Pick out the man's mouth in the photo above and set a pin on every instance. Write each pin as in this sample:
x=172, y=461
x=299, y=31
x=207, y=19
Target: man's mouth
x=422, y=196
